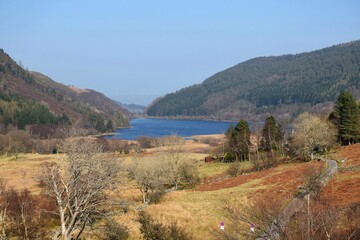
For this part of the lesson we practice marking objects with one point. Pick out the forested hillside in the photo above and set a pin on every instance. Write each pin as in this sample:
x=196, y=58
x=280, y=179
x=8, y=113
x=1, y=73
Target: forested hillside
x=282, y=84
x=30, y=98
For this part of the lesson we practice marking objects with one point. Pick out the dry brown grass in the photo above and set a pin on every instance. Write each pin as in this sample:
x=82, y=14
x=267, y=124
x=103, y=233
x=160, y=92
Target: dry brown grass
x=21, y=173
x=345, y=188
x=199, y=211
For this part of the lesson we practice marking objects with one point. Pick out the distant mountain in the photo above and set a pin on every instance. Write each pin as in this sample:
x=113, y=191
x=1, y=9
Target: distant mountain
x=82, y=108
x=284, y=85
x=133, y=108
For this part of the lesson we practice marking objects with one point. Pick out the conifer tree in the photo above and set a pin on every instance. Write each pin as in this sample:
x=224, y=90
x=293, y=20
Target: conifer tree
x=272, y=135
x=346, y=118
x=239, y=140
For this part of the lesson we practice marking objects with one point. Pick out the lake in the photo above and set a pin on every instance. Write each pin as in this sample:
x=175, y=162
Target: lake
x=153, y=127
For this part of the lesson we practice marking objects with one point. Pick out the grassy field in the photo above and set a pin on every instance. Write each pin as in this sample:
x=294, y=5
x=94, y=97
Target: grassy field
x=21, y=173
x=199, y=211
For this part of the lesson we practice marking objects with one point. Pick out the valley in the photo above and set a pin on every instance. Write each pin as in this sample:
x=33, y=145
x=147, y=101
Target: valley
x=199, y=210
x=75, y=164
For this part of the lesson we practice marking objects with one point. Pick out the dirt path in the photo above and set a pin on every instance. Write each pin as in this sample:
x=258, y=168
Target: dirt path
x=297, y=203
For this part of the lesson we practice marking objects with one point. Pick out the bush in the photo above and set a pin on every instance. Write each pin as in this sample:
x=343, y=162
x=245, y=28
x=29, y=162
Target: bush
x=211, y=141
x=146, y=142
x=177, y=233
x=264, y=160
x=41, y=146
x=228, y=157
x=15, y=142
x=23, y=215
x=117, y=145
x=115, y=231
x=171, y=140
x=190, y=175
x=152, y=230
x=156, y=196
x=234, y=169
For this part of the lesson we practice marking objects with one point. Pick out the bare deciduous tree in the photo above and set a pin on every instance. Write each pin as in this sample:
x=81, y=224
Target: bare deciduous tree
x=14, y=143
x=312, y=133
x=166, y=170
x=20, y=215
x=176, y=162
x=149, y=174
x=77, y=185
x=4, y=204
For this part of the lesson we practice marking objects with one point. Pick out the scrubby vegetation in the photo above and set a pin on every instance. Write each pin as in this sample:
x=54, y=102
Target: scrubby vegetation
x=57, y=182
x=152, y=230
x=92, y=186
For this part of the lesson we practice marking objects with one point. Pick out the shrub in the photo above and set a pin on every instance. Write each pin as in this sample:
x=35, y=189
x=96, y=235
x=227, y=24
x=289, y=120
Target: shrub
x=177, y=233
x=115, y=231
x=228, y=157
x=211, y=141
x=117, y=145
x=234, y=169
x=152, y=230
x=171, y=140
x=156, y=196
x=189, y=174
x=146, y=142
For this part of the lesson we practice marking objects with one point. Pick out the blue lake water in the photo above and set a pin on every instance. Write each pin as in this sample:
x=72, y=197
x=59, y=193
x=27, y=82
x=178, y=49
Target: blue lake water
x=163, y=127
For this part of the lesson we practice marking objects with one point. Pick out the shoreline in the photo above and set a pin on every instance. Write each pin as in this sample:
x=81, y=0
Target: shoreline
x=185, y=118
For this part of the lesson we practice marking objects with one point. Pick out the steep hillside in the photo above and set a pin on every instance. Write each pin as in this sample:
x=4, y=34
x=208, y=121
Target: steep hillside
x=84, y=108
x=266, y=84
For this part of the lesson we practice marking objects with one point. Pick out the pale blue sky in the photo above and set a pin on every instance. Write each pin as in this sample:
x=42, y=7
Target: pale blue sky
x=143, y=48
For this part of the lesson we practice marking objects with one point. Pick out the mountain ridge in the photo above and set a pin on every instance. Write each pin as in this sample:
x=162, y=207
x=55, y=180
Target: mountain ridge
x=86, y=108
x=254, y=86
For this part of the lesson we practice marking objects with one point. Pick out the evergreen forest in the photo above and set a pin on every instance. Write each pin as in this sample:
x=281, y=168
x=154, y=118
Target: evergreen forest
x=269, y=82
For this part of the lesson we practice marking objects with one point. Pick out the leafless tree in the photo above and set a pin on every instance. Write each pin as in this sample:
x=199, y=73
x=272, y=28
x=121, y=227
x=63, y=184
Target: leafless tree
x=312, y=133
x=4, y=204
x=15, y=142
x=17, y=214
x=166, y=170
x=175, y=159
x=149, y=174
x=77, y=185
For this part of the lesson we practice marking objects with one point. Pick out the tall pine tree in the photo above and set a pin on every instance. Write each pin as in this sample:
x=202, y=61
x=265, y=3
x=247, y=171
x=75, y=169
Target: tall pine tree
x=272, y=135
x=239, y=140
x=346, y=118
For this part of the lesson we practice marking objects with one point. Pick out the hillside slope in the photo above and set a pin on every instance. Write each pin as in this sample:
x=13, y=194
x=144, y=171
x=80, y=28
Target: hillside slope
x=85, y=108
x=260, y=84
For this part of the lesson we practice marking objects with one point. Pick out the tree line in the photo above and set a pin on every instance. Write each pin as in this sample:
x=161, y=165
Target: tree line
x=16, y=111
x=310, y=133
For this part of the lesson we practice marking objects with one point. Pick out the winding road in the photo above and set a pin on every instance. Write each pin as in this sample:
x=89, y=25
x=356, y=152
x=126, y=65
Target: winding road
x=297, y=203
